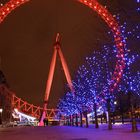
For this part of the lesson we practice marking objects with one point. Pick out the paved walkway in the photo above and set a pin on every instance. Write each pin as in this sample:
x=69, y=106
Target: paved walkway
x=119, y=132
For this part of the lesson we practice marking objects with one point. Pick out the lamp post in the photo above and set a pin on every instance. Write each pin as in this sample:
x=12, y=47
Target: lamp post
x=1, y=110
x=134, y=122
x=109, y=114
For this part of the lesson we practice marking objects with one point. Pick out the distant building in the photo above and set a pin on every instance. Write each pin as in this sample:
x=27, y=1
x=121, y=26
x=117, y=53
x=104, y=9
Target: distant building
x=5, y=100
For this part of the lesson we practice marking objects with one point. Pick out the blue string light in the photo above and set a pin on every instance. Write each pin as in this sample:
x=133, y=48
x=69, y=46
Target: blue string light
x=92, y=80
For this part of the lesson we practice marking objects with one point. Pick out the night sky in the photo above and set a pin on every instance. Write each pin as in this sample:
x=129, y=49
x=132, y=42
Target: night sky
x=27, y=36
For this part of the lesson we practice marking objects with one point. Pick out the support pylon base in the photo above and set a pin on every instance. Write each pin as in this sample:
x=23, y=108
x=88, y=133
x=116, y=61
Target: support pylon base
x=41, y=123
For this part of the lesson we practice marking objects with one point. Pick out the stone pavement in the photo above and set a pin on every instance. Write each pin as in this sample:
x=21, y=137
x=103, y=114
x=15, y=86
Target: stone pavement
x=119, y=132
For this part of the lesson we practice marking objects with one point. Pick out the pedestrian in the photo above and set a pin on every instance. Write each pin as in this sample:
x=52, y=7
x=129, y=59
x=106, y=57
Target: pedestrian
x=47, y=122
x=0, y=121
x=44, y=121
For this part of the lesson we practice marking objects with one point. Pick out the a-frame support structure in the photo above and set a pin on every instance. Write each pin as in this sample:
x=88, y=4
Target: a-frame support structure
x=57, y=50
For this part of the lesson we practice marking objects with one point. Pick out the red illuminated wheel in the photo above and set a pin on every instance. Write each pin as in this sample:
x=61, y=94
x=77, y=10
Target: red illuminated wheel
x=105, y=15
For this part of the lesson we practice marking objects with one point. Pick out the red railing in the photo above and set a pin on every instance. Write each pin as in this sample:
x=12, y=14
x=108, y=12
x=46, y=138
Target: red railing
x=26, y=107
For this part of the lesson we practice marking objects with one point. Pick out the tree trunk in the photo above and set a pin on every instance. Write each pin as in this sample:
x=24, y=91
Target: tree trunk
x=113, y=118
x=105, y=117
x=134, y=122
x=96, y=118
x=76, y=120
x=86, y=119
x=67, y=121
x=109, y=115
x=122, y=116
x=81, y=121
x=70, y=120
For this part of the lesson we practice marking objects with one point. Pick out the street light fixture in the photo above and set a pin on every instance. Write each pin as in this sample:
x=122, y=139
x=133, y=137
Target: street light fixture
x=16, y=110
x=115, y=103
x=1, y=110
